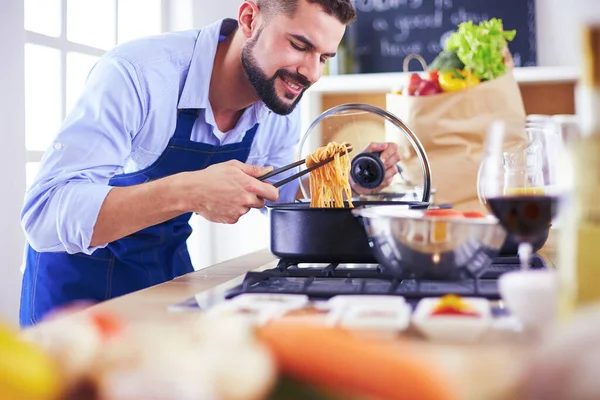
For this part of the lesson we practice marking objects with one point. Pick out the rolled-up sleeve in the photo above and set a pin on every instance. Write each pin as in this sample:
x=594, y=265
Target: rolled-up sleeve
x=61, y=207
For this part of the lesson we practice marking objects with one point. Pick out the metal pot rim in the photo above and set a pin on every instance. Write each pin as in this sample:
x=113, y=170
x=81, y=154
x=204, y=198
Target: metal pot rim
x=305, y=205
x=395, y=212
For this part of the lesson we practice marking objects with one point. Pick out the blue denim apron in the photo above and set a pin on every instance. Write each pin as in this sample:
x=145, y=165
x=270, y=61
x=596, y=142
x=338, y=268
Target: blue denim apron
x=146, y=258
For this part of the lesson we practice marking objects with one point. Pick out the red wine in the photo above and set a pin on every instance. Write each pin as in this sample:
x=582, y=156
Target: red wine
x=524, y=217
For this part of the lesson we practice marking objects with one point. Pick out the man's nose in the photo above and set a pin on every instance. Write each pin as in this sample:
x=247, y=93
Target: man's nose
x=311, y=68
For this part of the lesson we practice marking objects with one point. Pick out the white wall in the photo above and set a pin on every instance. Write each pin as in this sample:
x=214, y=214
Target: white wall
x=180, y=16
x=12, y=156
x=559, y=28
x=557, y=31
x=208, y=11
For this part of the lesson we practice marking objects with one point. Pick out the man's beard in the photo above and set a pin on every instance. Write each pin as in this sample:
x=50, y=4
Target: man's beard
x=265, y=87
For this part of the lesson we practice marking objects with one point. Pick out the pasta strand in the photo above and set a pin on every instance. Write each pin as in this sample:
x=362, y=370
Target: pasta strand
x=329, y=183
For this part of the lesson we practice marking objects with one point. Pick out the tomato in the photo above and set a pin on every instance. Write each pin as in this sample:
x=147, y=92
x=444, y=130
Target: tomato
x=454, y=311
x=433, y=76
x=473, y=214
x=442, y=213
x=414, y=81
x=427, y=88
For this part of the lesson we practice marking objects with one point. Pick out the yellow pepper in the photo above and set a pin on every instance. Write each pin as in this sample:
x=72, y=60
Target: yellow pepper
x=449, y=82
x=470, y=78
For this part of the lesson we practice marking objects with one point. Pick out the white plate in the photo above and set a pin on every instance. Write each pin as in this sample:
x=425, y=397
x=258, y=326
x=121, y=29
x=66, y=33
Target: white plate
x=452, y=328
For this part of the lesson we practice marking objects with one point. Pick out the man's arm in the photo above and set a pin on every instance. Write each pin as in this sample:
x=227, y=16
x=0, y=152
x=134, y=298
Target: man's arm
x=220, y=193
x=70, y=206
x=61, y=206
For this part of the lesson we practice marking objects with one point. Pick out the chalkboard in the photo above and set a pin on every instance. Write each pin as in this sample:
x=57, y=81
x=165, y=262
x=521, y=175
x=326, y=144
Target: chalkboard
x=386, y=31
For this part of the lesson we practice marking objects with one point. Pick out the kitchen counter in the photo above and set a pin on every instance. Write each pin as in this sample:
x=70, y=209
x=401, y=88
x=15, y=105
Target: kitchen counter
x=487, y=370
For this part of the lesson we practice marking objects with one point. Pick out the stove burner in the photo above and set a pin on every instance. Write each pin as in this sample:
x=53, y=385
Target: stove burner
x=322, y=281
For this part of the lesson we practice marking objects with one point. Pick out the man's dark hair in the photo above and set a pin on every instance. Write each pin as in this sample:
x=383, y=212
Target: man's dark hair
x=341, y=9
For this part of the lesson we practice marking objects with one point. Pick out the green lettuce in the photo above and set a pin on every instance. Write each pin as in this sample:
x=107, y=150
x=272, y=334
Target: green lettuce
x=480, y=47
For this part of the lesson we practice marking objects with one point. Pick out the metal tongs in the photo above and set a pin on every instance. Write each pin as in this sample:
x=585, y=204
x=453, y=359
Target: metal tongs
x=277, y=171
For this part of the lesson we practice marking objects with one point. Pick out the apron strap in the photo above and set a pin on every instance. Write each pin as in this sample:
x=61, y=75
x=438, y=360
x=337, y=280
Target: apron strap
x=249, y=135
x=185, y=122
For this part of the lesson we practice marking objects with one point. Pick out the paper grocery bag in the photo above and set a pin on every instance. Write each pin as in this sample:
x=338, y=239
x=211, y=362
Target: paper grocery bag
x=452, y=128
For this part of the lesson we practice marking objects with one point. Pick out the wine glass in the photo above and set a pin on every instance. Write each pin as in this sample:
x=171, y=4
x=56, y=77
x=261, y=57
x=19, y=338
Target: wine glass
x=517, y=179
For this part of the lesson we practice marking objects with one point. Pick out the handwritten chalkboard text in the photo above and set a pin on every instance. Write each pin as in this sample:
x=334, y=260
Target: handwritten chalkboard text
x=386, y=31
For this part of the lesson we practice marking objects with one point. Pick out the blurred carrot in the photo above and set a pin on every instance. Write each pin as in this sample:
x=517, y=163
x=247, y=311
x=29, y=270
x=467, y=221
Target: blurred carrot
x=336, y=360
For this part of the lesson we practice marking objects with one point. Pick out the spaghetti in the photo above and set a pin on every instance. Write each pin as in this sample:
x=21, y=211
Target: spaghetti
x=329, y=183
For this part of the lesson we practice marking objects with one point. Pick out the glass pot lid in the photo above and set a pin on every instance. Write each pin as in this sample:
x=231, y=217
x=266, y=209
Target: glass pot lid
x=360, y=124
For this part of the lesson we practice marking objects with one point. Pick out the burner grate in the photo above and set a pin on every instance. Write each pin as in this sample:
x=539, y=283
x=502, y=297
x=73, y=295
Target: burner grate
x=327, y=280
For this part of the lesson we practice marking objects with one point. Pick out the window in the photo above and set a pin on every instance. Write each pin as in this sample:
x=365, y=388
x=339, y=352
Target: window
x=64, y=39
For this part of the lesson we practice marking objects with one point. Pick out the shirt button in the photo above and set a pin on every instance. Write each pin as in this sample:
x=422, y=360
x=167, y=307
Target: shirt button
x=57, y=146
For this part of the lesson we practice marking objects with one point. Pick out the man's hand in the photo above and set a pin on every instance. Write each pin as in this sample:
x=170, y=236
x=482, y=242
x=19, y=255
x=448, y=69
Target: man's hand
x=224, y=192
x=390, y=156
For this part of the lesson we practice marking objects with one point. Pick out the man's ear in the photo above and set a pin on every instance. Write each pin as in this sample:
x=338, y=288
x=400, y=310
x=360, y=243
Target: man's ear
x=248, y=17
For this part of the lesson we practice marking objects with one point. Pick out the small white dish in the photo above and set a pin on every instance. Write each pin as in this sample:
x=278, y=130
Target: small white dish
x=452, y=328
x=376, y=317
x=340, y=304
x=343, y=301
x=530, y=296
x=252, y=315
x=279, y=301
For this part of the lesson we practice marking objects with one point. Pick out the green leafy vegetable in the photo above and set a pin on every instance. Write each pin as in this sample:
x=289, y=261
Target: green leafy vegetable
x=288, y=388
x=446, y=61
x=481, y=47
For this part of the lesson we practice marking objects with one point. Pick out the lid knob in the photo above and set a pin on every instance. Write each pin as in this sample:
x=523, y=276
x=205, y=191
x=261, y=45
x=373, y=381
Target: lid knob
x=367, y=170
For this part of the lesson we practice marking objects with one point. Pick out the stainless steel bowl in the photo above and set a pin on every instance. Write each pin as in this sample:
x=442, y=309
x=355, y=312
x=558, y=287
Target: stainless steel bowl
x=408, y=244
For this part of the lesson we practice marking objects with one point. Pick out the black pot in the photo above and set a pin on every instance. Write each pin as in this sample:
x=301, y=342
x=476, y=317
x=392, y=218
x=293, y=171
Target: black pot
x=323, y=235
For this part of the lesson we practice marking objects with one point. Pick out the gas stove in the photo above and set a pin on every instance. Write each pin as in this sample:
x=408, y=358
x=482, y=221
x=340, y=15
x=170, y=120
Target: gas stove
x=322, y=281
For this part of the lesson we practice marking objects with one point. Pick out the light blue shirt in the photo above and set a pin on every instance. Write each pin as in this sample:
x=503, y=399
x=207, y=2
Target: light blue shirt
x=123, y=122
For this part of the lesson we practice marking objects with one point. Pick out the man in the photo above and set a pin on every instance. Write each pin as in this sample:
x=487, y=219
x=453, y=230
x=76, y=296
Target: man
x=168, y=126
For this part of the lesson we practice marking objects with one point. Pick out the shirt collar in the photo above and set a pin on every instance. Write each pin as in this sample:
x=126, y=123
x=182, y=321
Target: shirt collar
x=197, y=84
